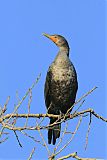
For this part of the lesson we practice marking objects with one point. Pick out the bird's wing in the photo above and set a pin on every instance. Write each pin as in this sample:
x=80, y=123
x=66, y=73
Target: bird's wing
x=47, y=89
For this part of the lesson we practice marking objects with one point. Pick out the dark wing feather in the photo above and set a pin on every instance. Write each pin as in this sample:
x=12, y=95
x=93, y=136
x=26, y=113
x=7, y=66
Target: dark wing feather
x=47, y=89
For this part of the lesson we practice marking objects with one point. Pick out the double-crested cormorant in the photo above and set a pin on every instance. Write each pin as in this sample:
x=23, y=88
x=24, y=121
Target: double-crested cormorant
x=61, y=85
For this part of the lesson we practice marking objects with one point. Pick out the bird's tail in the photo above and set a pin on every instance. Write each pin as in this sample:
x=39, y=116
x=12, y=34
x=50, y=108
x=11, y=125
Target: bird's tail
x=54, y=131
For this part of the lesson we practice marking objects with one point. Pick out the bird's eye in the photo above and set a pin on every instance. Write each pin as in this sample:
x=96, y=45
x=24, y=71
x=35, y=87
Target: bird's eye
x=55, y=37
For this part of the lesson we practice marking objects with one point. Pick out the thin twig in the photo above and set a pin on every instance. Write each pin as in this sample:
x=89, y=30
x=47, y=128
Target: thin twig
x=6, y=133
x=4, y=140
x=6, y=103
x=3, y=110
x=60, y=140
x=17, y=139
x=26, y=134
x=89, y=126
x=43, y=140
x=31, y=154
x=17, y=97
x=21, y=101
x=29, y=104
x=79, y=122
x=79, y=106
x=79, y=100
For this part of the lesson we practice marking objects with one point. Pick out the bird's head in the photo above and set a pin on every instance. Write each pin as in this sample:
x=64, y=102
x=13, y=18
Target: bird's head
x=59, y=40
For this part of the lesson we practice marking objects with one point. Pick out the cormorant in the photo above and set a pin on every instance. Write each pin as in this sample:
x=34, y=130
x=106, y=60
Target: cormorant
x=61, y=85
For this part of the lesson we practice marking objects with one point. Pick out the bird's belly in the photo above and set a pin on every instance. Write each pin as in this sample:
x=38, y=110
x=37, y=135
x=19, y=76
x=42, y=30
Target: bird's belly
x=63, y=89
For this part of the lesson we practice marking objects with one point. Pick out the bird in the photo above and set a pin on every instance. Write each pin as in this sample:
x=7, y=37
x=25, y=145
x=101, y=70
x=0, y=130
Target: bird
x=60, y=87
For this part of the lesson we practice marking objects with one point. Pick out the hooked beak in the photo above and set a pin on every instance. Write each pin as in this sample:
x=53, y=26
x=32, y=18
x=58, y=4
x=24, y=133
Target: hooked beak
x=47, y=35
x=51, y=37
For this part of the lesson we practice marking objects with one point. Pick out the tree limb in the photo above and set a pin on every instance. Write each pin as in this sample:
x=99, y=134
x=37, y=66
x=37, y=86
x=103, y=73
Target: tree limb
x=74, y=155
x=71, y=116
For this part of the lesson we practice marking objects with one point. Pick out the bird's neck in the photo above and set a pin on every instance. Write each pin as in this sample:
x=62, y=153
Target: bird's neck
x=64, y=49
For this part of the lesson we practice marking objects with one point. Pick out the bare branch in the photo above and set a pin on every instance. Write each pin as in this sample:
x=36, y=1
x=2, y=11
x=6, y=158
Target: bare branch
x=3, y=110
x=6, y=123
x=71, y=116
x=26, y=134
x=21, y=101
x=43, y=140
x=74, y=155
x=89, y=126
x=31, y=154
x=29, y=103
x=17, y=139
x=79, y=100
x=3, y=140
x=79, y=122
x=60, y=140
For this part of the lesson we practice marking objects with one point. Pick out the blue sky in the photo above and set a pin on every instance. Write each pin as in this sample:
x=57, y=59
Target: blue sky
x=25, y=53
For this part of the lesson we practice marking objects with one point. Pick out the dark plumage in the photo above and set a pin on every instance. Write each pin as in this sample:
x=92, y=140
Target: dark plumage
x=60, y=86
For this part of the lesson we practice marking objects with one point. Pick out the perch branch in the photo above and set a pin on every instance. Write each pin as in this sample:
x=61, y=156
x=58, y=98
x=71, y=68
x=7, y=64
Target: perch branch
x=71, y=116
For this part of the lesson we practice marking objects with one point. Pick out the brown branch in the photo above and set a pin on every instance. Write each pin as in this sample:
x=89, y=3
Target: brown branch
x=67, y=116
x=46, y=146
x=3, y=140
x=3, y=110
x=21, y=101
x=61, y=138
x=90, y=110
x=31, y=137
x=31, y=154
x=76, y=129
x=27, y=115
x=29, y=90
x=74, y=155
x=71, y=116
x=79, y=100
x=29, y=104
x=24, y=97
x=45, y=115
x=89, y=126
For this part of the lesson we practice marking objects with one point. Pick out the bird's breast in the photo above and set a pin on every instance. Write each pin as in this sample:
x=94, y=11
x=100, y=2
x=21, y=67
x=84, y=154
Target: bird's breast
x=62, y=72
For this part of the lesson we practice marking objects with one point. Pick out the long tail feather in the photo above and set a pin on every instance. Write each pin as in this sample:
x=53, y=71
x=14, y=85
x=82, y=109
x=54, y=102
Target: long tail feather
x=53, y=132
